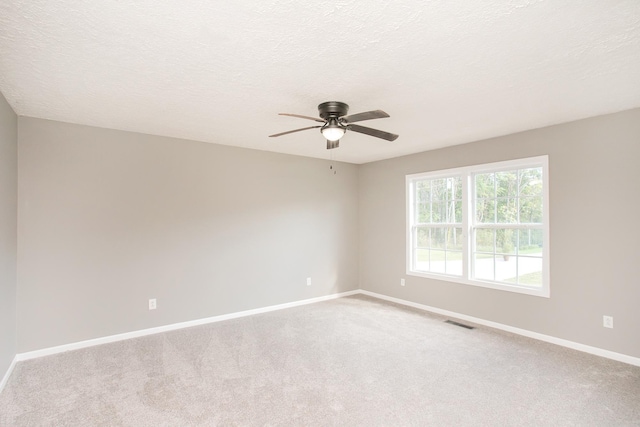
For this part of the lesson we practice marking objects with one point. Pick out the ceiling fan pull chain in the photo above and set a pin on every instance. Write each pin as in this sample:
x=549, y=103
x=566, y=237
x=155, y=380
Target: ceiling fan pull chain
x=331, y=160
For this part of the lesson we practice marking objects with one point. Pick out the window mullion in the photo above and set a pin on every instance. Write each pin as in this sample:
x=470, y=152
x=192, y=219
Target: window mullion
x=467, y=224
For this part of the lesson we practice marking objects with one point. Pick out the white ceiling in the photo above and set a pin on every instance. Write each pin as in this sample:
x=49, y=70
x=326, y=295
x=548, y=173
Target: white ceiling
x=447, y=72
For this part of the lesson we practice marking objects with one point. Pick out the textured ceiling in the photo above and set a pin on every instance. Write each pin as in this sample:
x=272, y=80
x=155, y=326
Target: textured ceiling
x=446, y=72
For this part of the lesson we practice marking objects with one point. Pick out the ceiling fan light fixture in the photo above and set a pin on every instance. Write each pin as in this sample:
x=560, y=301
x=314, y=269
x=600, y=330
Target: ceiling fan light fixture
x=332, y=131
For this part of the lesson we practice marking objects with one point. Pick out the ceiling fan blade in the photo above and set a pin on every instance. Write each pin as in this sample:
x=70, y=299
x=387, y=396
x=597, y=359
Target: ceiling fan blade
x=302, y=117
x=292, y=131
x=375, y=114
x=373, y=132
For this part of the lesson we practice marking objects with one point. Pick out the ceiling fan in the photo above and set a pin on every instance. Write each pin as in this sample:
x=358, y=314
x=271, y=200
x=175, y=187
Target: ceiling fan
x=336, y=123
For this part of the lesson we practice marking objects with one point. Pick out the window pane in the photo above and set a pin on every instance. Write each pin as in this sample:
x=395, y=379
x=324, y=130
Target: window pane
x=485, y=186
x=484, y=267
x=451, y=211
x=485, y=239
x=457, y=182
x=530, y=271
x=454, y=263
x=438, y=212
x=423, y=213
x=506, y=268
x=454, y=238
x=507, y=210
x=530, y=242
x=438, y=238
x=422, y=259
x=505, y=241
x=439, y=190
x=423, y=191
x=485, y=210
x=438, y=200
x=530, y=182
x=458, y=216
x=438, y=261
x=506, y=184
x=531, y=210
x=423, y=238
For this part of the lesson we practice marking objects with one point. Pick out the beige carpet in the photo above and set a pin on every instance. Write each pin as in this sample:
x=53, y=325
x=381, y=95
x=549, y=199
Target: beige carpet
x=354, y=361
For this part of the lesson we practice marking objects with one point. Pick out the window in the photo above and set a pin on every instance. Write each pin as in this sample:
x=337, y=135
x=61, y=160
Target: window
x=484, y=225
x=437, y=230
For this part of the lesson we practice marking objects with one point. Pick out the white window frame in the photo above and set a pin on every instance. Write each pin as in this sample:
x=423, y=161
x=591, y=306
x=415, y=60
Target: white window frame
x=468, y=223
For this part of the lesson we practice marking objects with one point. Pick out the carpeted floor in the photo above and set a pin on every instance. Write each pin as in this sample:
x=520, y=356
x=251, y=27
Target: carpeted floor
x=354, y=361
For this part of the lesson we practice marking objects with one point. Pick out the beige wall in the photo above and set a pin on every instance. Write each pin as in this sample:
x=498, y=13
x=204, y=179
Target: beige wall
x=109, y=219
x=594, y=205
x=8, y=233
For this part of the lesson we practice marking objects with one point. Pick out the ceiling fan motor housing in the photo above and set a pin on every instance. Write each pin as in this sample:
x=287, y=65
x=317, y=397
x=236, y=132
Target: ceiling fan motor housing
x=333, y=109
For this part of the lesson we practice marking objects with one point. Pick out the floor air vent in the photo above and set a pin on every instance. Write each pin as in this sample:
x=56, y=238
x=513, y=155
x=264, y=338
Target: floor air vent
x=462, y=325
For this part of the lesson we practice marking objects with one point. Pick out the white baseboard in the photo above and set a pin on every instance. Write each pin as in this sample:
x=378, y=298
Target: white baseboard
x=135, y=334
x=8, y=373
x=535, y=335
x=151, y=331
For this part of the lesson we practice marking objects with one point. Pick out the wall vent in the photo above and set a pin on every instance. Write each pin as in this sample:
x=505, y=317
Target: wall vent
x=462, y=325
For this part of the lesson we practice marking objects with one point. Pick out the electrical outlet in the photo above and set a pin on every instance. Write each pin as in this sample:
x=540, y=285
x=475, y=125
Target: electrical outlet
x=152, y=304
x=401, y=282
x=308, y=281
x=607, y=321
